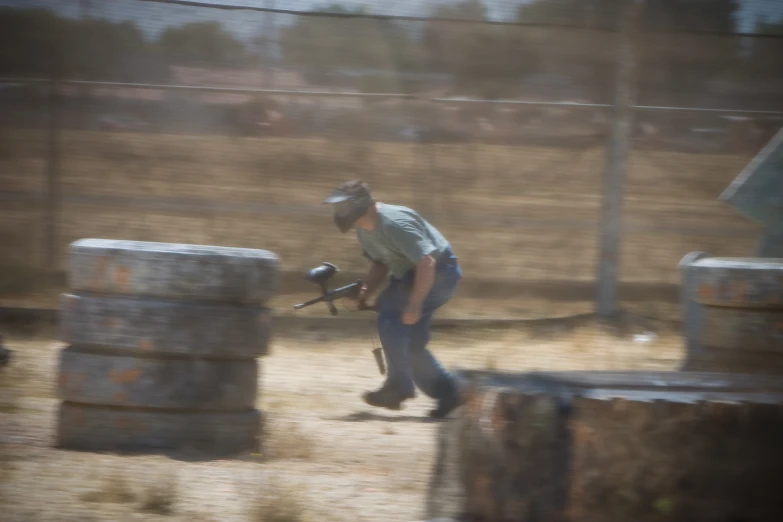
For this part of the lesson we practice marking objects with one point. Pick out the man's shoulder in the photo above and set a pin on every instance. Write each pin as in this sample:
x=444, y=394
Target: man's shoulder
x=399, y=213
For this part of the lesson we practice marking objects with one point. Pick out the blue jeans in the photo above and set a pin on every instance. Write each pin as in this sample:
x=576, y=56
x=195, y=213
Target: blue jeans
x=409, y=363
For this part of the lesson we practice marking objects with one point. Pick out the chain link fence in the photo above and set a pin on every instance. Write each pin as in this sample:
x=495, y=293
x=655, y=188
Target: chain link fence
x=572, y=152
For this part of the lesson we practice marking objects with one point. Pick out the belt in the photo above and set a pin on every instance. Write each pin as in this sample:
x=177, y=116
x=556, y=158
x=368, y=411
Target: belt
x=446, y=258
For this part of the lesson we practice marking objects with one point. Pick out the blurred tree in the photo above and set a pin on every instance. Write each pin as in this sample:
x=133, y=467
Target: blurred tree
x=38, y=42
x=349, y=47
x=673, y=67
x=31, y=41
x=487, y=61
x=760, y=68
x=203, y=43
x=690, y=16
x=594, y=14
x=585, y=57
x=99, y=49
x=679, y=69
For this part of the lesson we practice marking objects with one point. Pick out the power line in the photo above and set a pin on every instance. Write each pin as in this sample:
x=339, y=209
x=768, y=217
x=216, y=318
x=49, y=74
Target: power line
x=370, y=95
x=466, y=21
x=366, y=16
x=703, y=109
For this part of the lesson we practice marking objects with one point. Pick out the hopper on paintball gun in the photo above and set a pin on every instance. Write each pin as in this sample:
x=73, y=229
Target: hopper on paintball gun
x=321, y=275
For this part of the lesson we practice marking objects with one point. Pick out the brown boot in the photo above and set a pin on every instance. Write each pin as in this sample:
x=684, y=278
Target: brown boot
x=386, y=397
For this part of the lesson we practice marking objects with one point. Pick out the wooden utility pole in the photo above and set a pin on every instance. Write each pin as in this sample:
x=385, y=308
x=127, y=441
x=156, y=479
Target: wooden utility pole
x=53, y=182
x=617, y=164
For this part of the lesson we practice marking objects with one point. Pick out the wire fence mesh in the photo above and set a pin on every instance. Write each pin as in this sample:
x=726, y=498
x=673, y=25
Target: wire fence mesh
x=186, y=122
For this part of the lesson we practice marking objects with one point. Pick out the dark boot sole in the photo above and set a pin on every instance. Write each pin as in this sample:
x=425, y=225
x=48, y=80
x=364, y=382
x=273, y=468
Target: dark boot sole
x=443, y=411
x=389, y=405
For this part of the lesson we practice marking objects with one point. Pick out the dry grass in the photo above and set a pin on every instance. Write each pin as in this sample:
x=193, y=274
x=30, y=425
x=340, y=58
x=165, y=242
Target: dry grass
x=160, y=496
x=27, y=376
x=157, y=497
x=332, y=457
x=286, y=440
x=278, y=502
x=11, y=385
x=14, y=378
x=513, y=213
x=6, y=471
x=114, y=489
x=328, y=459
x=16, y=279
x=19, y=274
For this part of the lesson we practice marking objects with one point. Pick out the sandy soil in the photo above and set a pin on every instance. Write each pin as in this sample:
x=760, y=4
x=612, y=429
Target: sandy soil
x=337, y=457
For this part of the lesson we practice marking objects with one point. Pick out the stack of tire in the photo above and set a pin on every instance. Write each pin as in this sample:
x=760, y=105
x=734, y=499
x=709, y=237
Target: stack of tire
x=162, y=346
x=611, y=446
x=733, y=314
x=697, y=445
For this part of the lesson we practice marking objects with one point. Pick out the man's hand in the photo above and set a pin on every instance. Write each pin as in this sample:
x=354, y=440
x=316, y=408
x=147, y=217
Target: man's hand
x=411, y=314
x=374, y=278
x=360, y=299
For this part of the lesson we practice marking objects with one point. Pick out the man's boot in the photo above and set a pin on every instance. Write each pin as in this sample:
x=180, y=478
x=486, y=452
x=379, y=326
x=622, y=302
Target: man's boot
x=449, y=399
x=386, y=397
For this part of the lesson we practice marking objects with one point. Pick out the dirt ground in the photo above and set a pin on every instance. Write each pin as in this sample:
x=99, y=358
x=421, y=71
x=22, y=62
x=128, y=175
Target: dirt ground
x=326, y=453
x=328, y=456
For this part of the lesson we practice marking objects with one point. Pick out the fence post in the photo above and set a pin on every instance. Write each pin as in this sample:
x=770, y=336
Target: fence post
x=611, y=219
x=52, y=212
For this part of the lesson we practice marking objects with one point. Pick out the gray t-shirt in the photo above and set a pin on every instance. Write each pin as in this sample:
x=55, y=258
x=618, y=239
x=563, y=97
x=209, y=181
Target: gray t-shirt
x=401, y=239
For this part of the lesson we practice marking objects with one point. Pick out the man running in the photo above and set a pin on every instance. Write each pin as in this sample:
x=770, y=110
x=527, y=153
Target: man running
x=424, y=274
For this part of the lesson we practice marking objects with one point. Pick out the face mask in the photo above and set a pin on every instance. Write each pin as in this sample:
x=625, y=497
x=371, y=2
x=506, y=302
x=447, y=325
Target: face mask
x=347, y=212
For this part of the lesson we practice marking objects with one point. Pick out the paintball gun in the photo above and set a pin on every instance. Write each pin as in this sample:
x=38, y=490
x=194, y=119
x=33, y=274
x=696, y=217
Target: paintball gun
x=321, y=275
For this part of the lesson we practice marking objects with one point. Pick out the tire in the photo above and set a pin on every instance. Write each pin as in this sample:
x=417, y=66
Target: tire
x=100, y=428
x=560, y=445
x=744, y=330
x=181, y=383
x=733, y=314
x=148, y=326
x=736, y=282
x=162, y=341
x=733, y=361
x=173, y=271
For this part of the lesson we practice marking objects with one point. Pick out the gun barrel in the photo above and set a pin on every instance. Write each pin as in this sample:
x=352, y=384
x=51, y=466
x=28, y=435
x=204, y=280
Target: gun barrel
x=344, y=290
x=337, y=293
x=310, y=302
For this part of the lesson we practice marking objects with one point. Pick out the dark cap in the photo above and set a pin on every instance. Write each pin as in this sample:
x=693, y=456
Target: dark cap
x=350, y=190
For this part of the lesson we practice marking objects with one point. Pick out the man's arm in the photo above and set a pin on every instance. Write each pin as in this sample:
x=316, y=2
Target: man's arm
x=414, y=243
x=423, y=280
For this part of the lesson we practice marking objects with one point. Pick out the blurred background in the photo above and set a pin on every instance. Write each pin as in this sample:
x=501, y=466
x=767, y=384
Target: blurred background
x=183, y=122
x=573, y=151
